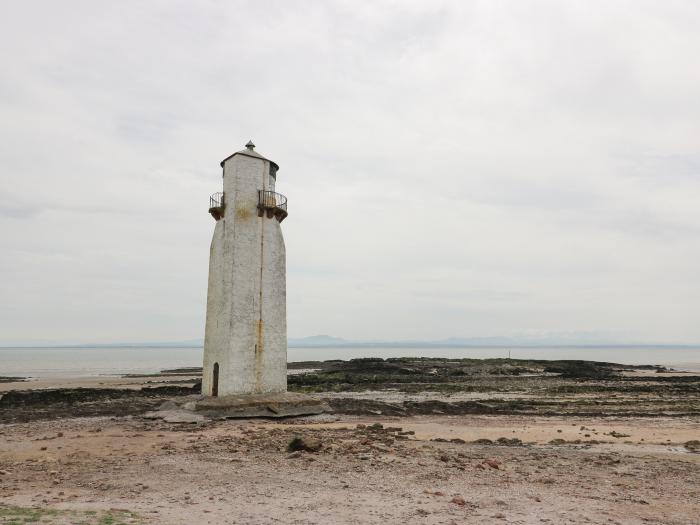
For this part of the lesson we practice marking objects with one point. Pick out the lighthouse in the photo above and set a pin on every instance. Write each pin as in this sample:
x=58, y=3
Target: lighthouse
x=245, y=338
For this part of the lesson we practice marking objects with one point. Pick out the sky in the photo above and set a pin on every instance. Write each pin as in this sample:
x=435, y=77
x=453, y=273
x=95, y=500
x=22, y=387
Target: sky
x=453, y=169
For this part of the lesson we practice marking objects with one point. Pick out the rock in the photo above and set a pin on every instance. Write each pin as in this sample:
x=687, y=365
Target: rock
x=293, y=455
x=175, y=416
x=619, y=435
x=182, y=416
x=458, y=500
x=168, y=405
x=693, y=445
x=484, y=441
x=493, y=463
x=304, y=443
x=318, y=418
x=457, y=440
x=558, y=441
x=512, y=442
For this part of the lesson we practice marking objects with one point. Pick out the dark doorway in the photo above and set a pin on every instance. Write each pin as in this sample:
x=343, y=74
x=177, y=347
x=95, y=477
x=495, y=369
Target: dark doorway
x=215, y=381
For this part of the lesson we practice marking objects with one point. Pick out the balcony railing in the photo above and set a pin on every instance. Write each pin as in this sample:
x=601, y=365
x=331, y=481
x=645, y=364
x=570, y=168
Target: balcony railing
x=273, y=204
x=217, y=205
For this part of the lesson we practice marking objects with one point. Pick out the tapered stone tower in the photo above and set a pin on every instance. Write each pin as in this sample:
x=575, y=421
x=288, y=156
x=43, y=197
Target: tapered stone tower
x=245, y=340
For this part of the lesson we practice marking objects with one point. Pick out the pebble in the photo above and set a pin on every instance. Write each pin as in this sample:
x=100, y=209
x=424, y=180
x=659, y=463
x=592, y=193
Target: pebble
x=493, y=463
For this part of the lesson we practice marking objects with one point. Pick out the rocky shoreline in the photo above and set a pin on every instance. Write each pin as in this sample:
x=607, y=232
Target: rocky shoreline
x=405, y=387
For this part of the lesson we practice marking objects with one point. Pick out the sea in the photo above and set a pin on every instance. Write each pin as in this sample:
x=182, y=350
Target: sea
x=114, y=361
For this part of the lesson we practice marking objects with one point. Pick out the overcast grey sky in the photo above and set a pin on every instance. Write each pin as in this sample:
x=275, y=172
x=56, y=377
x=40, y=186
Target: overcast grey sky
x=466, y=168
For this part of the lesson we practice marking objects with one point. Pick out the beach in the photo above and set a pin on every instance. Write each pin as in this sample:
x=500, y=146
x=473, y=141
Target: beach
x=409, y=441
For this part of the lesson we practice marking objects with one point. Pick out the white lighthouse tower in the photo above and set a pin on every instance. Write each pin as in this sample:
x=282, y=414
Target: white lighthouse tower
x=245, y=341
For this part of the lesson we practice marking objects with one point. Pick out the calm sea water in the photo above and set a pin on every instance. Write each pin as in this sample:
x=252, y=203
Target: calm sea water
x=81, y=362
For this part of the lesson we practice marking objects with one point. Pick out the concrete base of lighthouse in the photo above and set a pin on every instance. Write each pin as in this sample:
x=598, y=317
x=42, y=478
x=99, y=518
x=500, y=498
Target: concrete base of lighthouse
x=286, y=404
x=198, y=409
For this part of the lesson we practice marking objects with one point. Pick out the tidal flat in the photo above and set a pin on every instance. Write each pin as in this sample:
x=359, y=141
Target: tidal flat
x=411, y=440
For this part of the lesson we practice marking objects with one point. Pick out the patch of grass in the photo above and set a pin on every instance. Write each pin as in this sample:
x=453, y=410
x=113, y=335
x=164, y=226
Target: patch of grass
x=13, y=515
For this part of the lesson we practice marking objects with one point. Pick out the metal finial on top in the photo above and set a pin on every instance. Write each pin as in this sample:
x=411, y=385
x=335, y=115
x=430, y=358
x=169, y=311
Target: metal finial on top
x=250, y=145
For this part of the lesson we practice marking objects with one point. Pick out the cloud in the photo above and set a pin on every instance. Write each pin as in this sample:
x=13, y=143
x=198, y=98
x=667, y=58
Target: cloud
x=452, y=168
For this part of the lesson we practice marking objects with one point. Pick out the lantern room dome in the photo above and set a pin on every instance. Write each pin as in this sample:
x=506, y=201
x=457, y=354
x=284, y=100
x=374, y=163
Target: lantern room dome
x=249, y=151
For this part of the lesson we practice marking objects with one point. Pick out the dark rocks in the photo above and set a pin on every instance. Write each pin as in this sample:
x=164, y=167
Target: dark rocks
x=17, y=398
x=36, y=405
x=12, y=379
x=510, y=442
x=693, y=445
x=307, y=444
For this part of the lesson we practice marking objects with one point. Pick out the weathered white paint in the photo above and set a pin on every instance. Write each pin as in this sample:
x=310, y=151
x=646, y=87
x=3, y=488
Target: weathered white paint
x=246, y=327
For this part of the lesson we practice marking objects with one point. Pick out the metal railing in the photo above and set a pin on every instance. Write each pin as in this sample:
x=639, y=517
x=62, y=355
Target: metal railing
x=216, y=200
x=217, y=205
x=272, y=200
x=274, y=204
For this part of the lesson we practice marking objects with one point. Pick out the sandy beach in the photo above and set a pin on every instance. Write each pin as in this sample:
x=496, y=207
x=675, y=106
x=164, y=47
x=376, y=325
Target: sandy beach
x=241, y=471
x=604, y=446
